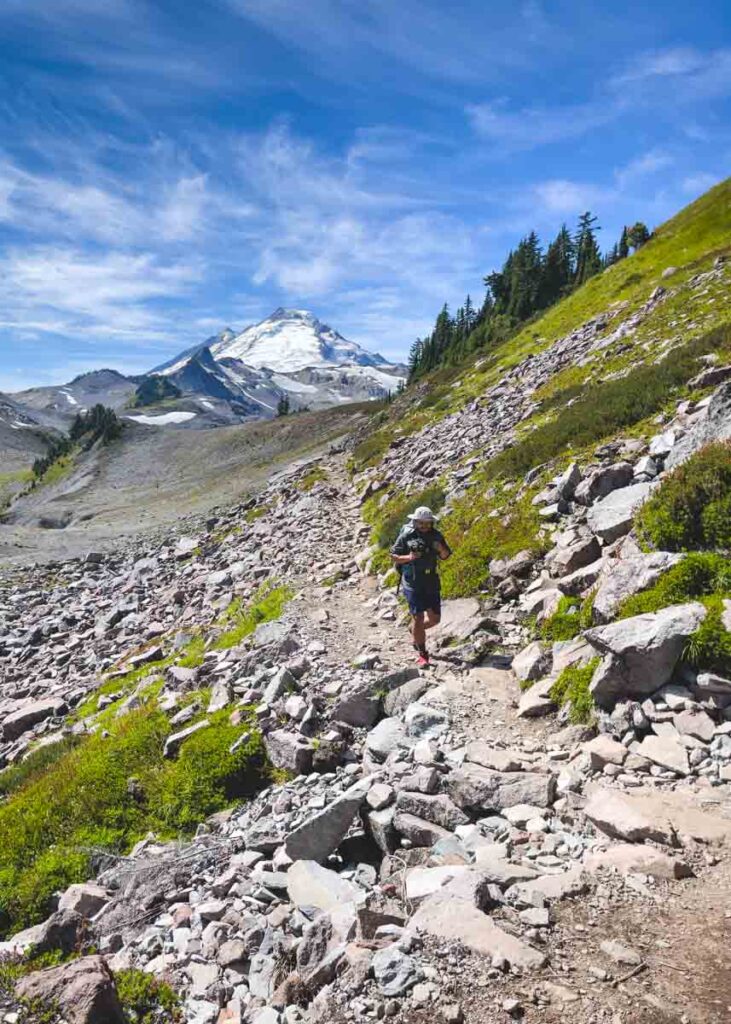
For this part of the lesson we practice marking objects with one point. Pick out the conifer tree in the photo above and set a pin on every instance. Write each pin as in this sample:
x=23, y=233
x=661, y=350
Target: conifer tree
x=623, y=248
x=637, y=235
x=588, y=257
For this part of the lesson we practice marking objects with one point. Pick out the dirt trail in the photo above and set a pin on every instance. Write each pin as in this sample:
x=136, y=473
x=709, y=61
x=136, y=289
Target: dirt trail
x=683, y=929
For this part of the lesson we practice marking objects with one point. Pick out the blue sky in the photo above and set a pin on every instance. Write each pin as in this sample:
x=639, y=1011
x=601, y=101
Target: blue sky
x=168, y=168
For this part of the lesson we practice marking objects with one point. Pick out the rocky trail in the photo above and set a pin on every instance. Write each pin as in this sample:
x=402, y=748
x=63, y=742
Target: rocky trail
x=435, y=846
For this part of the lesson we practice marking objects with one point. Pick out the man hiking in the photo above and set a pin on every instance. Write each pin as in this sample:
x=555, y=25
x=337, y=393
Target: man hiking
x=415, y=553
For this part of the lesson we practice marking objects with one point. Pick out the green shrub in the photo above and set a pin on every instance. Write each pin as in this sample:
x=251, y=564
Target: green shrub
x=699, y=574
x=572, y=687
x=206, y=776
x=268, y=603
x=565, y=623
x=709, y=648
x=313, y=476
x=476, y=537
x=691, y=509
x=607, y=407
x=145, y=999
x=82, y=802
x=35, y=763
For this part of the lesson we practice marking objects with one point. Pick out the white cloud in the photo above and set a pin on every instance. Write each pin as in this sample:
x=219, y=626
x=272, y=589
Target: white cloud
x=695, y=184
x=530, y=127
x=64, y=291
x=564, y=197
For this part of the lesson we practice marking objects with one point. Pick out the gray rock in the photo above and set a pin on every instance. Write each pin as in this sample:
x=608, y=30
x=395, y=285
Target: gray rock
x=395, y=972
x=715, y=427
x=361, y=704
x=566, y=559
x=83, y=990
x=665, y=751
x=567, y=483
x=640, y=653
x=418, y=831
x=620, y=953
x=30, y=713
x=321, y=834
x=479, y=789
x=386, y=737
x=617, y=815
x=695, y=723
x=532, y=662
x=290, y=751
x=457, y=920
x=479, y=752
x=438, y=808
x=602, y=481
x=85, y=898
x=536, y=701
x=425, y=722
x=175, y=741
x=624, y=577
x=310, y=885
x=381, y=827
x=604, y=750
x=313, y=947
x=613, y=516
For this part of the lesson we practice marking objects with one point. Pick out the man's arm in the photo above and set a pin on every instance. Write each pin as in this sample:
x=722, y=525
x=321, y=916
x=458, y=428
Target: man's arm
x=443, y=549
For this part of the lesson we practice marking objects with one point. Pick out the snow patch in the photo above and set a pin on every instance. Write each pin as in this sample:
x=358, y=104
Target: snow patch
x=161, y=421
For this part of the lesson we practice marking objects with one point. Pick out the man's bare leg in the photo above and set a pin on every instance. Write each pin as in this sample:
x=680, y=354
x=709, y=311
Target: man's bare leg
x=432, y=619
x=418, y=631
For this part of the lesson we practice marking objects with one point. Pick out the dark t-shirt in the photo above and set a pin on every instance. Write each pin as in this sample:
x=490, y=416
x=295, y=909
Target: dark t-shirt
x=421, y=574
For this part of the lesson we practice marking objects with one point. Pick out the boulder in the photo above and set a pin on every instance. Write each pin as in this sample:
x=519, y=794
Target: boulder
x=612, y=517
x=695, y=723
x=536, y=702
x=425, y=722
x=175, y=741
x=480, y=752
x=532, y=662
x=84, y=898
x=665, y=751
x=568, y=558
x=538, y=891
x=480, y=789
x=437, y=808
x=457, y=920
x=604, y=750
x=386, y=737
x=460, y=619
x=395, y=972
x=310, y=885
x=289, y=750
x=628, y=859
x=419, y=831
x=361, y=705
x=617, y=815
x=602, y=481
x=568, y=481
x=83, y=989
x=624, y=577
x=716, y=426
x=321, y=833
x=640, y=653
x=29, y=714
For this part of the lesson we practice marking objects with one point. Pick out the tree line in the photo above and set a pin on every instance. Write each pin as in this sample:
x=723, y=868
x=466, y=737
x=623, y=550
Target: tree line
x=530, y=280
x=97, y=424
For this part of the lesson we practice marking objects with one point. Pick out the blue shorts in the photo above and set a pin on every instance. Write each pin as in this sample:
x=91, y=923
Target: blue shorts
x=423, y=600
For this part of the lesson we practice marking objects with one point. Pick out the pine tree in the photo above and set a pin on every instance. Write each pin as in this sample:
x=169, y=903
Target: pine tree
x=623, y=247
x=588, y=256
x=637, y=235
x=558, y=268
x=283, y=406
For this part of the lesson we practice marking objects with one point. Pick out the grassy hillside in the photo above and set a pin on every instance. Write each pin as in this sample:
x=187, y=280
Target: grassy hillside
x=622, y=390
x=690, y=242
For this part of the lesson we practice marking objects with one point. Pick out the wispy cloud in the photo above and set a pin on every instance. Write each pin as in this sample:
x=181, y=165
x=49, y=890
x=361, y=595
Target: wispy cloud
x=531, y=127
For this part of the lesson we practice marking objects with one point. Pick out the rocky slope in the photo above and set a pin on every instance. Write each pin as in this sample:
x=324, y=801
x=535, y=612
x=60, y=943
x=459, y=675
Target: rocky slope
x=448, y=844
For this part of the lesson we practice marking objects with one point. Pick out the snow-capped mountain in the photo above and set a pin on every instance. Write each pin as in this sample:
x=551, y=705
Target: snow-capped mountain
x=291, y=340
x=227, y=378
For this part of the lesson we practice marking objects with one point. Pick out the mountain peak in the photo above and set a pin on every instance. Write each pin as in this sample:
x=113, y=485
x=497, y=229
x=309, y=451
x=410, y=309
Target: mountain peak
x=290, y=340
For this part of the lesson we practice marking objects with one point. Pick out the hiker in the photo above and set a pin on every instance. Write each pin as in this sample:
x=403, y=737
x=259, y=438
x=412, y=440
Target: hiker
x=415, y=553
